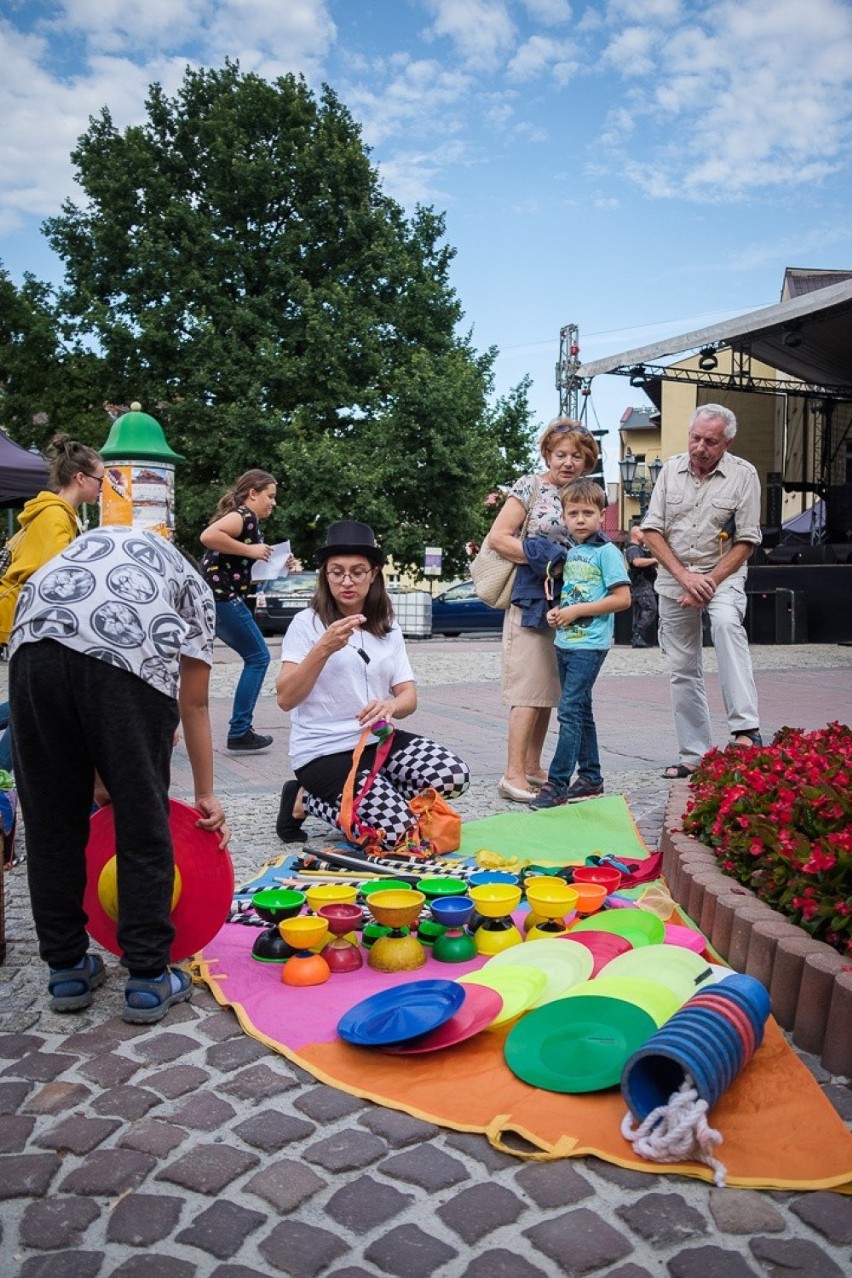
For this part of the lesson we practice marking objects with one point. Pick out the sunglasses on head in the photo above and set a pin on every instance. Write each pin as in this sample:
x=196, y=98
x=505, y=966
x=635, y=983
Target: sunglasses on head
x=572, y=430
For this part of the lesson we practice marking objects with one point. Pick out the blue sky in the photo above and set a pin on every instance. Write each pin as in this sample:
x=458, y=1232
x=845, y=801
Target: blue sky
x=637, y=167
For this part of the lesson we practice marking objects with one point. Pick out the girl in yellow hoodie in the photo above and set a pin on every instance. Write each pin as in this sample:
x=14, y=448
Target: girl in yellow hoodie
x=49, y=522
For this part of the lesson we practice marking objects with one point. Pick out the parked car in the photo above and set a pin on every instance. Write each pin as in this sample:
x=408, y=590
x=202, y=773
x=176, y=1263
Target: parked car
x=277, y=601
x=460, y=608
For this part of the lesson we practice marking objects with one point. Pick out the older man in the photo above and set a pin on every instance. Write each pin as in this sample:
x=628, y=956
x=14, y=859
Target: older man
x=702, y=526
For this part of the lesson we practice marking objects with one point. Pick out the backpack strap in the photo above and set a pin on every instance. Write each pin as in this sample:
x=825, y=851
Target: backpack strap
x=354, y=830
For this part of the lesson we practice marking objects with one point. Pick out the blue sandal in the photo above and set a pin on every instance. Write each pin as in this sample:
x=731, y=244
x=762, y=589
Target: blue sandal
x=72, y=988
x=147, y=1001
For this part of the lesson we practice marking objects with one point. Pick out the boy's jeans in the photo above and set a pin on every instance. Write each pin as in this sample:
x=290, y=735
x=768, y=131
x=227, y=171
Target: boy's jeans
x=577, y=746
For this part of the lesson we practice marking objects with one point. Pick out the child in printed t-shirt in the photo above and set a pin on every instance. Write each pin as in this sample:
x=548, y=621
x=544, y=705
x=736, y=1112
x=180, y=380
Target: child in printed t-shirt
x=595, y=586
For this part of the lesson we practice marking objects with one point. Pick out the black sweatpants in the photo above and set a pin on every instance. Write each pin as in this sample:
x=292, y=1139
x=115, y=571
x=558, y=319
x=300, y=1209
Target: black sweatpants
x=74, y=715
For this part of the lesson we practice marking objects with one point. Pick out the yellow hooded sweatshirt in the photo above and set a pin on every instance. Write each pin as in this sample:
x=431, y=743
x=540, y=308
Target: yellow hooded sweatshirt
x=48, y=525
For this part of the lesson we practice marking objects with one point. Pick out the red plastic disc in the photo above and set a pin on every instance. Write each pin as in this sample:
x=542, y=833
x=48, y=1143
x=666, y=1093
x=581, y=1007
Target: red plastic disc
x=204, y=871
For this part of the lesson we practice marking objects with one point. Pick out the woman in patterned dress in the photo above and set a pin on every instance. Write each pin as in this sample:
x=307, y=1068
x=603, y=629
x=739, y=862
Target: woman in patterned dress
x=233, y=541
x=530, y=678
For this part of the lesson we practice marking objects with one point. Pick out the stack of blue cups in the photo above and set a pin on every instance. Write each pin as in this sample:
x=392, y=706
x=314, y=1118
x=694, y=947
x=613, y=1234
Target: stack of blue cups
x=711, y=1039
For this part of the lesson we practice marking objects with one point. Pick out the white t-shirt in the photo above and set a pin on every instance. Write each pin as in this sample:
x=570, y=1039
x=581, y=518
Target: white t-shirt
x=325, y=722
x=125, y=597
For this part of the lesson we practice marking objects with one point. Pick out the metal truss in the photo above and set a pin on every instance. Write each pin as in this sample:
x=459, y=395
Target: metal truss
x=570, y=387
x=574, y=393
x=739, y=378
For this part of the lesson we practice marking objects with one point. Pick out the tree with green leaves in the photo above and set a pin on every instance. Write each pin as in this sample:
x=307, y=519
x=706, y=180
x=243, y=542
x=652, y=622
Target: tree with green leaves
x=46, y=383
x=243, y=275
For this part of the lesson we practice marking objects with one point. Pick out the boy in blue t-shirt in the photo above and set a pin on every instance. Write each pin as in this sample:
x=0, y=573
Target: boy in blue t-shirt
x=595, y=586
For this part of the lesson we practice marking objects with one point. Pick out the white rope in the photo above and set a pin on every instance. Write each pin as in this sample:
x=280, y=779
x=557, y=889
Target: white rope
x=677, y=1132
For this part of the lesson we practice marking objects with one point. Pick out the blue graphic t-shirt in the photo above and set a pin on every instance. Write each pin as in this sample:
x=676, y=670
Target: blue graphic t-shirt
x=589, y=572
x=121, y=596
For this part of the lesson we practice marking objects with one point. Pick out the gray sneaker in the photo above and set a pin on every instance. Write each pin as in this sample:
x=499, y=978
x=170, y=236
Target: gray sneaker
x=549, y=796
x=583, y=790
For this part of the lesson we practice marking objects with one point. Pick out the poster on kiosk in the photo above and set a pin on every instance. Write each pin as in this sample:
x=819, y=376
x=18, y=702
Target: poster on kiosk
x=139, y=475
x=139, y=495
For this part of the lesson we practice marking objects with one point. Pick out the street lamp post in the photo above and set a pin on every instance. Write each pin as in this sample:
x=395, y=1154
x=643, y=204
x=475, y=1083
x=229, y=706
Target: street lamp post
x=637, y=480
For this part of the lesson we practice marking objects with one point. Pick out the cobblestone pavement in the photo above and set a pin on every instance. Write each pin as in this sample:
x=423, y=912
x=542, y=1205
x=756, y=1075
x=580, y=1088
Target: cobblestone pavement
x=188, y=1150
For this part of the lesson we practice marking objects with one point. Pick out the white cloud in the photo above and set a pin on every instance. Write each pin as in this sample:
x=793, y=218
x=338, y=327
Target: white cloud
x=284, y=36
x=419, y=97
x=552, y=13
x=530, y=133
x=481, y=30
x=630, y=52
x=663, y=11
x=542, y=57
x=128, y=45
x=115, y=26
x=796, y=248
x=744, y=96
x=296, y=32
x=44, y=117
x=499, y=112
x=414, y=177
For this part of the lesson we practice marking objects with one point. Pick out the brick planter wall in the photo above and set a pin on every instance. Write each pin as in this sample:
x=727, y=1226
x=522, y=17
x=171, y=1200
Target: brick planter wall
x=809, y=983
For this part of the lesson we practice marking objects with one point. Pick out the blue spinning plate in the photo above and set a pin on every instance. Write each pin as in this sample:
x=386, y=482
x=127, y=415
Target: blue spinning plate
x=404, y=1012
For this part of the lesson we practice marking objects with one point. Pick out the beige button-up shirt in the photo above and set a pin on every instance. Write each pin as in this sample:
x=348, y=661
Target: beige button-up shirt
x=702, y=518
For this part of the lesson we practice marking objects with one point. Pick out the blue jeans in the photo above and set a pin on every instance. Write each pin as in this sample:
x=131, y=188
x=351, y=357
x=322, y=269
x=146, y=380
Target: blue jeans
x=236, y=627
x=577, y=746
x=6, y=739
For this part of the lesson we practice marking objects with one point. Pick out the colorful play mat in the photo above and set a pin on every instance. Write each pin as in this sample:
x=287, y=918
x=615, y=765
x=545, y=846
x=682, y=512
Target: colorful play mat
x=778, y=1129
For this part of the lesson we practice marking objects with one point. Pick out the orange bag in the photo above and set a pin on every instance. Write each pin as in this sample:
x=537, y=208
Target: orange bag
x=438, y=824
x=437, y=827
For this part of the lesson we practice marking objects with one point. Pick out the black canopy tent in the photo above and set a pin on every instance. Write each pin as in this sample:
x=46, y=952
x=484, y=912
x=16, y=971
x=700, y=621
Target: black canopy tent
x=22, y=473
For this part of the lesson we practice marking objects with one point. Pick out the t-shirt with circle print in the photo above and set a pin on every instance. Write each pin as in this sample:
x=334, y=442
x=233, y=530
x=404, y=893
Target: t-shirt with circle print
x=229, y=576
x=123, y=596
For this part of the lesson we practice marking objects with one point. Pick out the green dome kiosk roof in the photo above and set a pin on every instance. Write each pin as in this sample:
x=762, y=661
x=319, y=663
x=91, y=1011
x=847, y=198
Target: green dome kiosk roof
x=138, y=436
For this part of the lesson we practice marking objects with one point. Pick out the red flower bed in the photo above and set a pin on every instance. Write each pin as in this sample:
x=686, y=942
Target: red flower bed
x=780, y=819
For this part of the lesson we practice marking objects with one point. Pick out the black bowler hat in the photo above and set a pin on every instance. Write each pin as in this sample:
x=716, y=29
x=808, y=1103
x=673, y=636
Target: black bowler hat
x=348, y=537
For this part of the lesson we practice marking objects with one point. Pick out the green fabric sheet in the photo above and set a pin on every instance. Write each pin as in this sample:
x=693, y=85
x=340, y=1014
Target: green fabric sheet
x=558, y=836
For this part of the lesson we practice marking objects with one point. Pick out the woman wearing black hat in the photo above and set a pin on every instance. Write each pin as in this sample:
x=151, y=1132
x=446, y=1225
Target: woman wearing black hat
x=345, y=668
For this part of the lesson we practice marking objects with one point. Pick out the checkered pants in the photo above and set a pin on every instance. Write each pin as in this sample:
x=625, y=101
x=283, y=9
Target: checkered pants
x=415, y=766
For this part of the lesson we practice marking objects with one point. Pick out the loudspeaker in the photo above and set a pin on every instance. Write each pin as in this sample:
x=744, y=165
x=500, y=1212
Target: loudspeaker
x=760, y=616
x=777, y=616
x=791, y=616
x=801, y=553
x=816, y=555
x=838, y=513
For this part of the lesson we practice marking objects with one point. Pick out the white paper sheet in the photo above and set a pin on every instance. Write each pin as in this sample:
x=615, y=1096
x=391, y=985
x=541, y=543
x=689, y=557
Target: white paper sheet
x=275, y=565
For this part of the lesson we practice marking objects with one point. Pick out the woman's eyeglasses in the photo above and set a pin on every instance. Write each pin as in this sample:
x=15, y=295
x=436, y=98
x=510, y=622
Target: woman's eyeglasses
x=356, y=575
x=99, y=479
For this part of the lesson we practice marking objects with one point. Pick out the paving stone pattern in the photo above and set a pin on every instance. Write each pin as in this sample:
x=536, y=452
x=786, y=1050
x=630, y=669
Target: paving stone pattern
x=187, y=1150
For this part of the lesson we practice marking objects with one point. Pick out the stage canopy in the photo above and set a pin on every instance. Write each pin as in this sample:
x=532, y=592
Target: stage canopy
x=22, y=473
